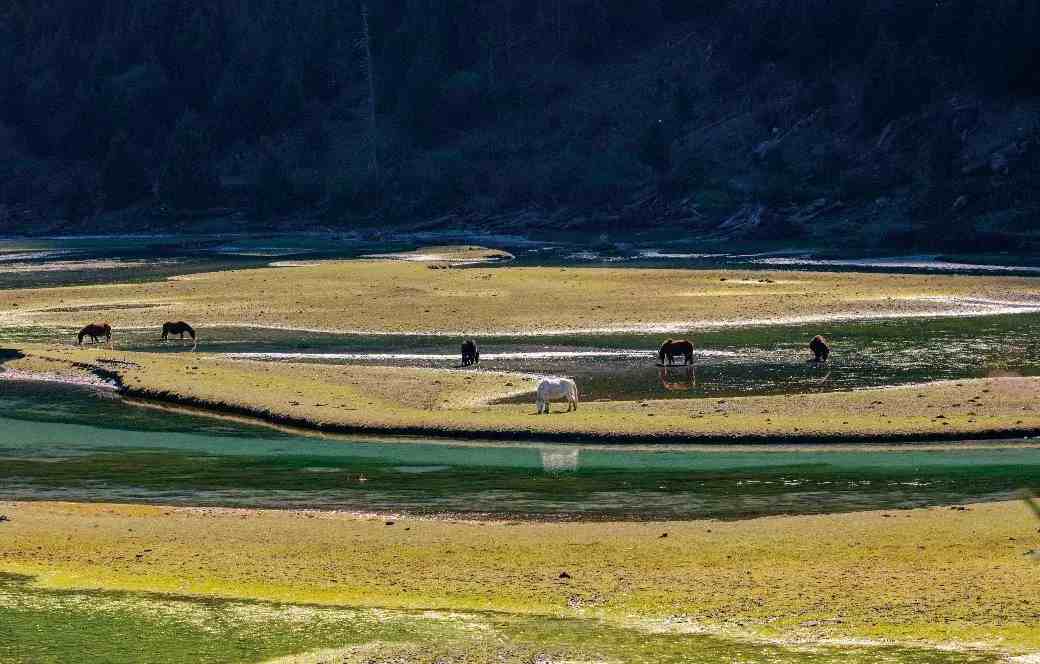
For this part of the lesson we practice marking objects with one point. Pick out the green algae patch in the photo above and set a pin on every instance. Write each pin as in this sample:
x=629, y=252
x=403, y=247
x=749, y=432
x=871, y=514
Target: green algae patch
x=107, y=627
x=931, y=576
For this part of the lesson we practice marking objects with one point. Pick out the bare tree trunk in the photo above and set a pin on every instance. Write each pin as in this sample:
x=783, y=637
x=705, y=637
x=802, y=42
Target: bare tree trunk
x=370, y=73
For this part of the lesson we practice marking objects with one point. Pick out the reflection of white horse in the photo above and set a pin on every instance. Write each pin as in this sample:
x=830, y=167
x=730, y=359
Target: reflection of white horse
x=557, y=388
x=555, y=460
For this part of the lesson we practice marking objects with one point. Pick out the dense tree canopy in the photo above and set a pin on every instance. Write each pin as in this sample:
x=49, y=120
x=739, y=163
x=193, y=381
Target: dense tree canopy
x=115, y=83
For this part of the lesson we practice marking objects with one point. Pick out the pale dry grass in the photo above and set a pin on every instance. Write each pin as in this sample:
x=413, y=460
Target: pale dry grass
x=402, y=296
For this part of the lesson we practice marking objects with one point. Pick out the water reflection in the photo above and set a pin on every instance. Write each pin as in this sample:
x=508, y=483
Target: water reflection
x=561, y=459
x=678, y=379
x=62, y=443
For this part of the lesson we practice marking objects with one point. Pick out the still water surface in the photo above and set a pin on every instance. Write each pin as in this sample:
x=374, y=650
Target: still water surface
x=69, y=443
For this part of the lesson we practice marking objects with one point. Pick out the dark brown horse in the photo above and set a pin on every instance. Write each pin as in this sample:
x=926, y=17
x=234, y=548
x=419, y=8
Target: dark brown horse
x=820, y=350
x=95, y=331
x=673, y=348
x=181, y=328
x=470, y=354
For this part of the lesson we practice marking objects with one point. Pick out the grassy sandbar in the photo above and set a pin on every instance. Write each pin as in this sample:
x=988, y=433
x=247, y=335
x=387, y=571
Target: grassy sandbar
x=931, y=575
x=408, y=297
x=459, y=403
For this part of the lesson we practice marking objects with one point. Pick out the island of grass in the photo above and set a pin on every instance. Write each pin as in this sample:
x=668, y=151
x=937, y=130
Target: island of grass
x=406, y=296
x=464, y=404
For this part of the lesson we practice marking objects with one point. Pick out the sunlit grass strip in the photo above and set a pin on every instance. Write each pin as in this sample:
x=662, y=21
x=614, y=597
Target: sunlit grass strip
x=407, y=297
x=929, y=575
x=1031, y=500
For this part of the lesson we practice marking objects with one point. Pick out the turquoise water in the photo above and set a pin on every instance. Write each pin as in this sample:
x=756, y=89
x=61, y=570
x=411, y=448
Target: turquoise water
x=77, y=444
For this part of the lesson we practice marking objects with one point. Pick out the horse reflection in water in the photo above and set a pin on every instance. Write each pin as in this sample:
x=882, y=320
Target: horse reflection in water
x=679, y=379
x=558, y=460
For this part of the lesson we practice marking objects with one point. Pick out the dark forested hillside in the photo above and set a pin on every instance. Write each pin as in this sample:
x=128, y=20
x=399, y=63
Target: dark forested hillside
x=862, y=123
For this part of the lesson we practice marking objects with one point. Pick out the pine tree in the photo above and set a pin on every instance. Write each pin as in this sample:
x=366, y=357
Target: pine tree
x=654, y=148
x=123, y=177
x=189, y=178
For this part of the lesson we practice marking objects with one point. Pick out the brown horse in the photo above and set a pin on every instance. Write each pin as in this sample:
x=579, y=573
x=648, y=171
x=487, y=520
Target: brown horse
x=820, y=350
x=673, y=348
x=94, y=331
x=181, y=328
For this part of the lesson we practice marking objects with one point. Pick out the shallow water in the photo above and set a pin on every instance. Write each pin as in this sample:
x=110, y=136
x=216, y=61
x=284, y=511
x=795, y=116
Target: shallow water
x=76, y=444
x=746, y=361
x=80, y=260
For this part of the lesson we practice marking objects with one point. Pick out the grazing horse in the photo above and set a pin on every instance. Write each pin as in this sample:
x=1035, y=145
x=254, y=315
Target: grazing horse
x=673, y=348
x=94, y=331
x=557, y=388
x=181, y=328
x=470, y=354
x=821, y=351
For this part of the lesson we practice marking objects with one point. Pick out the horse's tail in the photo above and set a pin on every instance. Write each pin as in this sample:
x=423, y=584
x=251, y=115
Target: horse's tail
x=79, y=340
x=195, y=338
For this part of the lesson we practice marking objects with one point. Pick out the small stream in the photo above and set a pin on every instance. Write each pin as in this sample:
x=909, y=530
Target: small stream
x=65, y=443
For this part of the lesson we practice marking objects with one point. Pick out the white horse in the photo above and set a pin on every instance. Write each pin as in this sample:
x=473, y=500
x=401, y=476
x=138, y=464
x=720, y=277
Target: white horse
x=557, y=388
